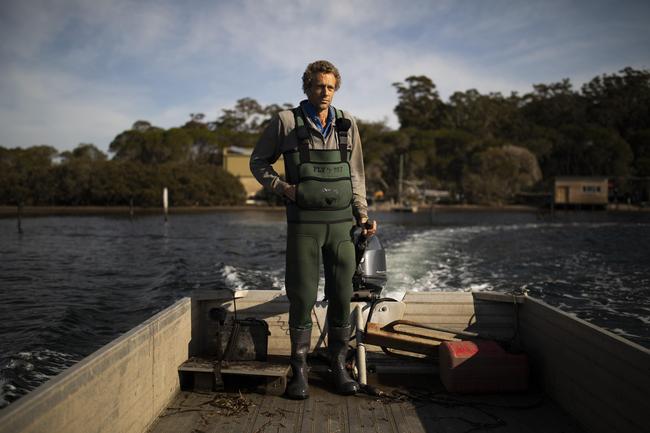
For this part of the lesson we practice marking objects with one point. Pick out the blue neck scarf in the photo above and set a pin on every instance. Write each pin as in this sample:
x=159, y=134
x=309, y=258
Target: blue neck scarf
x=310, y=110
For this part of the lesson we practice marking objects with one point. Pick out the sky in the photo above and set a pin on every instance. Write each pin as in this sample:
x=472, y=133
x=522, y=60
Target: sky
x=83, y=71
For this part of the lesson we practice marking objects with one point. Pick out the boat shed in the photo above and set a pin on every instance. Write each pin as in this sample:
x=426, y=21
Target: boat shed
x=581, y=191
x=236, y=161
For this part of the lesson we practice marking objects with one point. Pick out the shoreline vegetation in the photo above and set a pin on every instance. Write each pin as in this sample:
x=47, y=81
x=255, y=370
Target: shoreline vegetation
x=484, y=149
x=29, y=211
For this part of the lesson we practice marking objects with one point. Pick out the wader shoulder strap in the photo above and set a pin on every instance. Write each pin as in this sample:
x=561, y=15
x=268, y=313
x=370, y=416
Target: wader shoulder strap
x=342, y=127
x=302, y=134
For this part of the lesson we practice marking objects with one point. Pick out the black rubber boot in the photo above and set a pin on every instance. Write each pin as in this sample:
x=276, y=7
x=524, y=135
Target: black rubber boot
x=338, y=349
x=298, y=388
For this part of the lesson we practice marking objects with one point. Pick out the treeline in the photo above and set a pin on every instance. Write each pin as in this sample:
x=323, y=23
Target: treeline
x=483, y=148
x=187, y=160
x=487, y=148
x=86, y=177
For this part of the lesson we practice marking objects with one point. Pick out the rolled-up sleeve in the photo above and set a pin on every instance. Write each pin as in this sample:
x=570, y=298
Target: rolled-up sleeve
x=359, y=201
x=266, y=152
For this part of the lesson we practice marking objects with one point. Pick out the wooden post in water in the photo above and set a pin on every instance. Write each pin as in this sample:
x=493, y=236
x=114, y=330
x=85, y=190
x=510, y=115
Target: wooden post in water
x=400, y=179
x=131, y=208
x=165, y=202
x=19, y=215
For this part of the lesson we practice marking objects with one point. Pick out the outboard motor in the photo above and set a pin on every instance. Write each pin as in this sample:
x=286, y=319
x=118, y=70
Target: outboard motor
x=370, y=275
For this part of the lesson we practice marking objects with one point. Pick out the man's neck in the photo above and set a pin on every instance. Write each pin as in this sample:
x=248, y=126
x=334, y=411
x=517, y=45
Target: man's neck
x=322, y=115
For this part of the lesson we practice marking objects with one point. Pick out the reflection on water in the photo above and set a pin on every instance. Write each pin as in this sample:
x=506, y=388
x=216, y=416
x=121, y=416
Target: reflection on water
x=71, y=284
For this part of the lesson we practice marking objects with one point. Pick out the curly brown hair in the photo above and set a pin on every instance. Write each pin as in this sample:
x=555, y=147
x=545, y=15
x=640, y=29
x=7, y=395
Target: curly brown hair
x=319, y=67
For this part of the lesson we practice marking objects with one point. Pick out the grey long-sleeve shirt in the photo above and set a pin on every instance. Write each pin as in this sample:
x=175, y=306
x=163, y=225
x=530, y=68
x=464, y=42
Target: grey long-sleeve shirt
x=276, y=139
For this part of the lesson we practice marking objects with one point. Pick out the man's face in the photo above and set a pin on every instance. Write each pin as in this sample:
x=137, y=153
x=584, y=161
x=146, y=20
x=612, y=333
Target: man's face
x=322, y=91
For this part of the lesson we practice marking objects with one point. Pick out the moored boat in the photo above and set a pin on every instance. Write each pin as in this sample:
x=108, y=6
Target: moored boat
x=582, y=377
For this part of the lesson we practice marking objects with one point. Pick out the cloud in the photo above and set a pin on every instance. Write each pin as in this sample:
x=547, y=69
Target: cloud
x=110, y=63
x=285, y=39
x=60, y=110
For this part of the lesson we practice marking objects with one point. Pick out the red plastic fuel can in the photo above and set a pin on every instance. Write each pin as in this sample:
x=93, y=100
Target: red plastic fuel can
x=481, y=366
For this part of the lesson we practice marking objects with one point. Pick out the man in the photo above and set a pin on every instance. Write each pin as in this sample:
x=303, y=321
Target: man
x=325, y=191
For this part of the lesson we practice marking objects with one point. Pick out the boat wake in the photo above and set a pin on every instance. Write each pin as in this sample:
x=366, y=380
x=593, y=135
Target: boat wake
x=579, y=268
x=239, y=278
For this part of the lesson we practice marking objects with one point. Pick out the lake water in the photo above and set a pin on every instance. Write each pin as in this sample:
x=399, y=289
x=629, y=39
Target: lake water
x=70, y=284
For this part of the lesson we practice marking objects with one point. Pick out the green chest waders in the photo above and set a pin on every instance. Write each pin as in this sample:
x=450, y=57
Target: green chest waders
x=319, y=225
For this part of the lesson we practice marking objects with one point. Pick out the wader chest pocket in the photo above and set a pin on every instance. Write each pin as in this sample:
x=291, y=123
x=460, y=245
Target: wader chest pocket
x=324, y=186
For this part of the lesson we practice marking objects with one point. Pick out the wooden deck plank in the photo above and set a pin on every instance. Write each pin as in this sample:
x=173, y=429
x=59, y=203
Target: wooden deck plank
x=191, y=412
x=325, y=412
x=182, y=422
x=355, y=416
x=383, y=418
x=331, y=414
x=406, y=419
x=461, y=320
x=277, y=415
x=262, y=418
x=547, y=417
x=308, y=415
x=365, y=416
x=292, y=412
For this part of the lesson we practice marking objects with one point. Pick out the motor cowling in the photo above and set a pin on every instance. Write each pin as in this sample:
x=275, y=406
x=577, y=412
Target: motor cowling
x=370, y=275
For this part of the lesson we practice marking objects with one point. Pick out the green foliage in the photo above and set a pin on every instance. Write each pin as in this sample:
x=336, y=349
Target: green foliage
x=590, y=150
x=202, y=185
x=455, y=150
x=247, y=116
x=25, y=175
x=29, y=177
x=487, y=116
x=381, y=150
x=205, y=145
x=620, y=101
x=601, y=130
x=85, y=152
x=419, y=105
x=152, y=145
x=554, y=105
x=640, y=144
x=484, y=147
x=499, y=173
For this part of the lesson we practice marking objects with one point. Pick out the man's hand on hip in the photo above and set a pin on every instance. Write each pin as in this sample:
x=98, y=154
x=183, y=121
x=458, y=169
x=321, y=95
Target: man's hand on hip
x=290, y=192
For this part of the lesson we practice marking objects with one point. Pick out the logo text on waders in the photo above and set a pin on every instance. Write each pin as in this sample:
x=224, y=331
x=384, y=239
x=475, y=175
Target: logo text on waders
x=328, y=171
